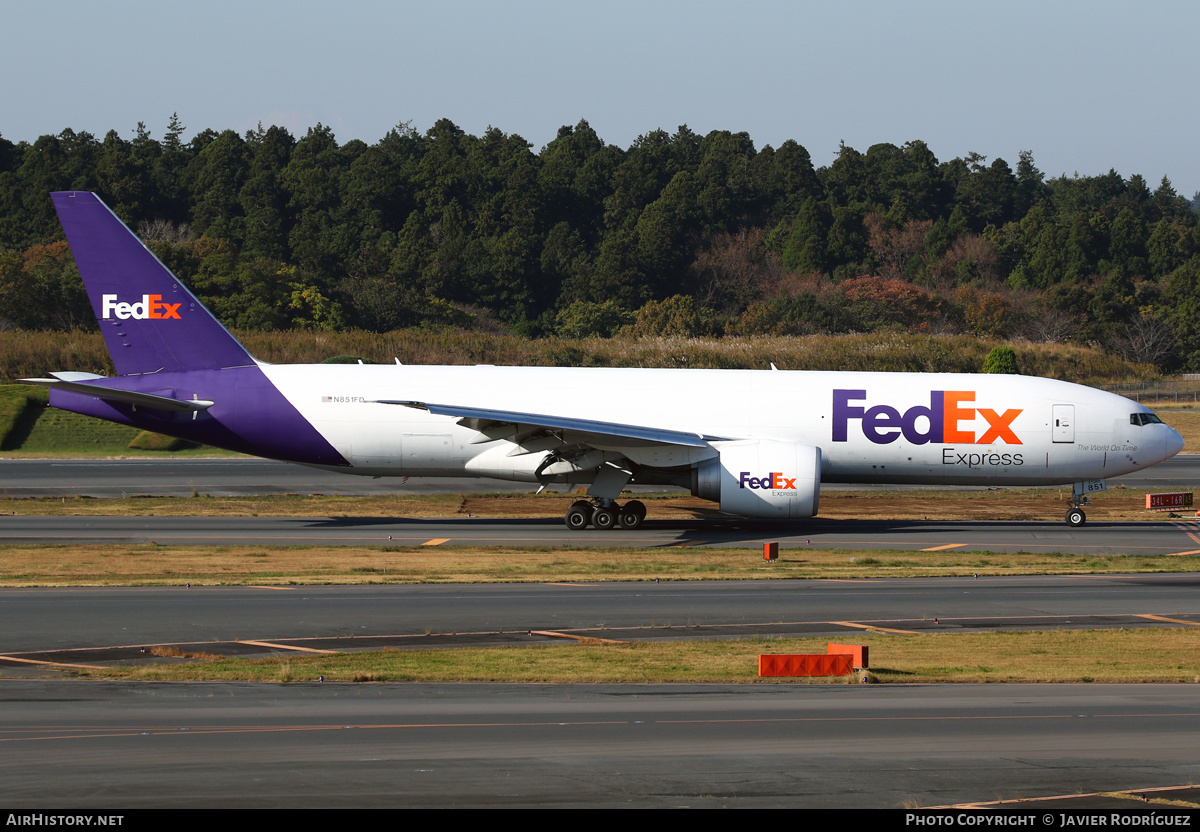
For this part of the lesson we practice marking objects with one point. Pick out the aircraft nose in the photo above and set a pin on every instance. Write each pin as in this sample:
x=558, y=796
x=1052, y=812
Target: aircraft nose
x=1173, y=443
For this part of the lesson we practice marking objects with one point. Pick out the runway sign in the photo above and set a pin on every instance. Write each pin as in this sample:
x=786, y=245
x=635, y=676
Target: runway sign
x=1167, y=502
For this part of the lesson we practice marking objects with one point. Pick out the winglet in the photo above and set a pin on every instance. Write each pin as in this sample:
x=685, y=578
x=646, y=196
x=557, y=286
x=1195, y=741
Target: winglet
x=150, y=321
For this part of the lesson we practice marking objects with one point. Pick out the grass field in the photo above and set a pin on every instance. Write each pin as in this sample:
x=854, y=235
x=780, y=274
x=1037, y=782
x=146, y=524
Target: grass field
x=153, y=565
x=1186, y=420
x=1152, y=655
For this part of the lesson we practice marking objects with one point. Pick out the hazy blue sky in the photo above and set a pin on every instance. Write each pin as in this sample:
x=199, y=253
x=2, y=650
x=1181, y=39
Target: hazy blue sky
x=1087, y=86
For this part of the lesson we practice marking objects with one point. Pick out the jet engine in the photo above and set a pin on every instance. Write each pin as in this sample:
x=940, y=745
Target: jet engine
x=762, y=478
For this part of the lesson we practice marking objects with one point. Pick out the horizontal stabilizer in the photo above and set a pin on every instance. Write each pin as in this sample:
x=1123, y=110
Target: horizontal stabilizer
x=148, y=400
x=481, y=418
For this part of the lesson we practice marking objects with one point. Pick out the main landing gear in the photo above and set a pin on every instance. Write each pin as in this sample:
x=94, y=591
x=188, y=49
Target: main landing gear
x=605, y=514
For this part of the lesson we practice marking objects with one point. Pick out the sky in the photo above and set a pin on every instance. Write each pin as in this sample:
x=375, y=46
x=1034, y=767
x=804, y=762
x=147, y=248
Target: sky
x=1086, y=86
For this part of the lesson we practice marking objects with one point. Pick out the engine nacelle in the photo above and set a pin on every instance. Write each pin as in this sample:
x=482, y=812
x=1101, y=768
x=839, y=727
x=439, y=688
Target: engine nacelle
x=762, y=478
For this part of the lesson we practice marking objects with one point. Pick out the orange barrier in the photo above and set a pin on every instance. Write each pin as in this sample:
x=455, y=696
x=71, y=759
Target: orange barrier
x=770, y=551
x=804, y=664
x=856, y=652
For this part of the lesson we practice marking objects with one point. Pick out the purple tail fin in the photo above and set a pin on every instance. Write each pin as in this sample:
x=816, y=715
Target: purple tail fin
x=150, y=321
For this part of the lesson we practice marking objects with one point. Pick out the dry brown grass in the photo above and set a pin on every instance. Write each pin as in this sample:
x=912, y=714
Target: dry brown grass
x=151, y=565
x=25, y=354
x=179, y=653
x=1186, y=420
x=1150, y=655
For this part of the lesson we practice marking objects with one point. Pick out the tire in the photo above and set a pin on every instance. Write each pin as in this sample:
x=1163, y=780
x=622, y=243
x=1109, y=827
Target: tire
x=578, y=516
x=635, y=507
x=631, y=520
x=604, y=519
x=1076, y=517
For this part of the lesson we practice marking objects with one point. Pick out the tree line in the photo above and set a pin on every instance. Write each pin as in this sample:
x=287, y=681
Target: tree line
x=678, y=234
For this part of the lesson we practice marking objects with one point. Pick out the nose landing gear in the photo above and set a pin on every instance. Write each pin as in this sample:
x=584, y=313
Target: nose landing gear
x=605, y=514
x=1075, y=515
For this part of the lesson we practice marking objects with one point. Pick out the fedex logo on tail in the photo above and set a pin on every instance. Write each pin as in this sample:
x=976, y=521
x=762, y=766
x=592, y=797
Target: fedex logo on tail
x=150, y=308
x=940, y=423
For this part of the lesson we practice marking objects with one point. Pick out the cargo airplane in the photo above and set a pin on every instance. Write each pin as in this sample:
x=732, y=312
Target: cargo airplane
x=759, y=443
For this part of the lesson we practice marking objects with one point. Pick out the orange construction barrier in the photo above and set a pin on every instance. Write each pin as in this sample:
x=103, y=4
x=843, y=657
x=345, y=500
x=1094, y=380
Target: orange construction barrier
x=857, y=653
x=770, y=551
x=804, y=664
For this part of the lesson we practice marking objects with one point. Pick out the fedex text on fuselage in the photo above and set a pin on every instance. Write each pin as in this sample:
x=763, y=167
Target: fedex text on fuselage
x=942, y=422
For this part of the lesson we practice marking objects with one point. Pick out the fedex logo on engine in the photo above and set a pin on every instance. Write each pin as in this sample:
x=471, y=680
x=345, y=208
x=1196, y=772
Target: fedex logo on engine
x=773, y=480
x=150, y=308
x=941, y=422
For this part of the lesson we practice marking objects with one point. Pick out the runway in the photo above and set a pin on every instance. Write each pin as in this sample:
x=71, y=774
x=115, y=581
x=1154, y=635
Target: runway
x=1178, y=537
x=116, y=745
x=76, y=744
x=80, y=618
x=240, y=476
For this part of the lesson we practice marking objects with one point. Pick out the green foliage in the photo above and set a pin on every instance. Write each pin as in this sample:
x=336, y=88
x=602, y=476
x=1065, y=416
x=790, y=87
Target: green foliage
x=448, y=229
x=677, y=315
x=801, y=314
x=1002, y=359
x=806, y=246
x=19, y=407
x=584, y=319
x=41, y=289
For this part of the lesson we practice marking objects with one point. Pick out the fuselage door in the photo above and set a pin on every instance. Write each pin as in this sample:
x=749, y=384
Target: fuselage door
x=1063, y=429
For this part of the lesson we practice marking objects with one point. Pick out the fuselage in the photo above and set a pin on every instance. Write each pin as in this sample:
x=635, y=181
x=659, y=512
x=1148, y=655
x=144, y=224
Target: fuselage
x=870, y=427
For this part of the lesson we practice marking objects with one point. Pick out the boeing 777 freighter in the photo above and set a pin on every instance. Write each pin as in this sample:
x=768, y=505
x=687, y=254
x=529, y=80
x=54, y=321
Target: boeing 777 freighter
x=758, y=443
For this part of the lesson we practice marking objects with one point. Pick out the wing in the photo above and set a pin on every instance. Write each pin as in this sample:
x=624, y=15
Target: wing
x=538, y=431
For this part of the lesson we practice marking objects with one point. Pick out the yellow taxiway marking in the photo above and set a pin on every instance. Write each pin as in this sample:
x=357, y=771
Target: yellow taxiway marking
x=873, y=628
x=286, y=647
x=1181, y=554
x=553, y=634
x=52, y=664
x=1188, y=528
x=1014, y=801
x=437, y=541
x=1169, y=620
x=947, y=546
x=276, y=588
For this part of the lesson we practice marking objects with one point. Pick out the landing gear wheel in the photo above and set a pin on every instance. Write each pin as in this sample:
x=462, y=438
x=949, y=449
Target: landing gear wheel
x=604, y=518
x=633, y=514
x=631, y=522
x=578, y=516
x=1076, y=517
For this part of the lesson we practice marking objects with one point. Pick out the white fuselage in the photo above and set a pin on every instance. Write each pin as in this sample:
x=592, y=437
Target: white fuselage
x=869, y=427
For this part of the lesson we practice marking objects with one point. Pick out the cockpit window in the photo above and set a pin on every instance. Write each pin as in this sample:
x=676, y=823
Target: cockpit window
x=1144, y=419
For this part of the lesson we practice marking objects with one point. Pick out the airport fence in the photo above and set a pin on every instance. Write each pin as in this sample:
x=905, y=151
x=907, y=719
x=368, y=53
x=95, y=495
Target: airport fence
x=1181, y=390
